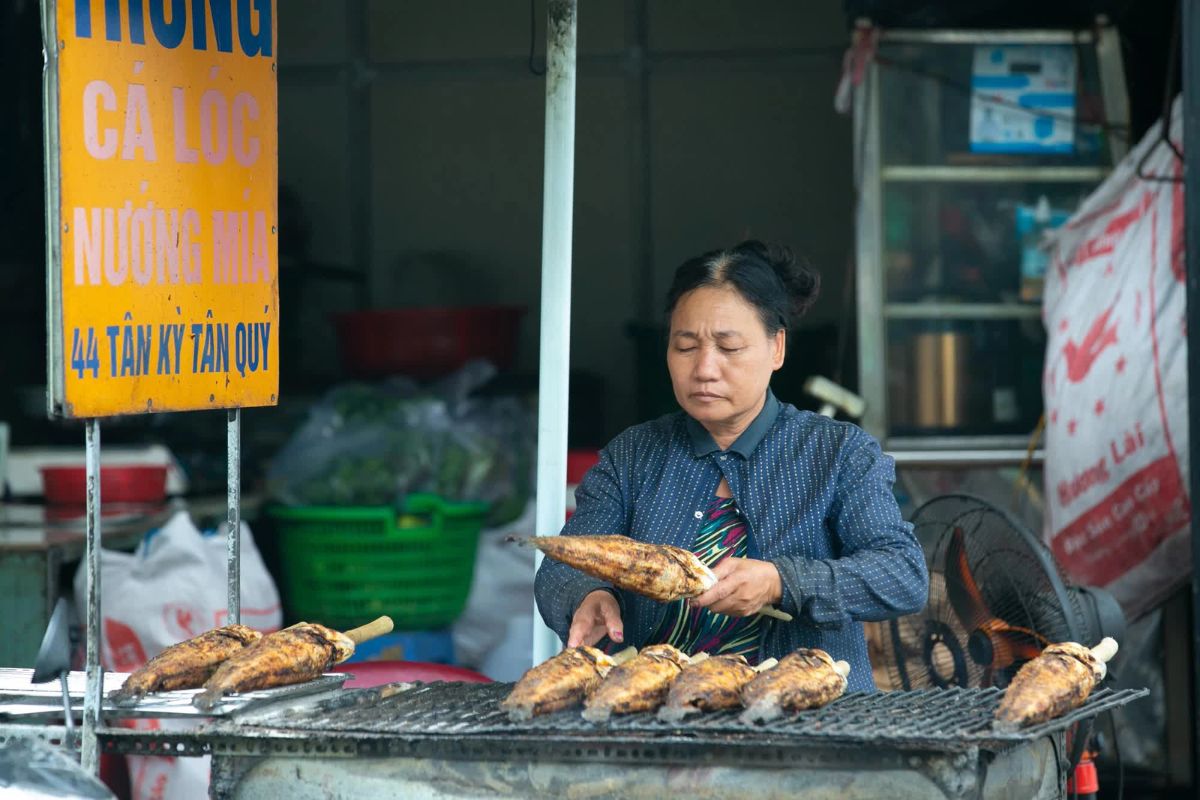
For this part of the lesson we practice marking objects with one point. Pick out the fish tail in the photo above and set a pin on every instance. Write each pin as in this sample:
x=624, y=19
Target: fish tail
x=208, y=699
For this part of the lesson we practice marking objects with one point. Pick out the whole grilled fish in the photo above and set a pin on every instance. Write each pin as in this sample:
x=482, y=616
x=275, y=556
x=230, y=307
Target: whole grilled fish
x=293, y=655
x=710, y=685
x=1058, y=680
x=658, y=571
x=557, y=683
x=186, y=665
x=640, y=684
x=804, y=678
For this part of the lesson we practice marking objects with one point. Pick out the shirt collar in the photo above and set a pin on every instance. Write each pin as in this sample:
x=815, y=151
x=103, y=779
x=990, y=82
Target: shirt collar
x=703, y=444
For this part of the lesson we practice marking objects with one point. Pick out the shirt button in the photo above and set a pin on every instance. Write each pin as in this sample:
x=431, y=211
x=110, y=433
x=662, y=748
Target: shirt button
x=699, y=514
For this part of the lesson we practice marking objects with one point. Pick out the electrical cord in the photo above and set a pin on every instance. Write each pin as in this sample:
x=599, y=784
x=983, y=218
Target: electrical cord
x=533, y=38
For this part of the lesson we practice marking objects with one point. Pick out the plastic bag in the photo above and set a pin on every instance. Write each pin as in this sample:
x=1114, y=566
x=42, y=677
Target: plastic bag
x=31, y=769
x=1115, y=384
x=171, y=589
x=494, y=632
x=373, y=444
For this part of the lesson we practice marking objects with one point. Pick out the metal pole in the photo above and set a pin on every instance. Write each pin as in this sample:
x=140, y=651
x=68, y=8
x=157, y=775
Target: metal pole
x=233, y=570
x=558, y=189
x=1190, y=38
x=95, y=677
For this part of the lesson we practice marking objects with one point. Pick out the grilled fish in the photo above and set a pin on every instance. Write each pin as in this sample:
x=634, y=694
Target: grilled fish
x=658, y=571
x=805, y=678
x=640, y=684
x=559, y=682
x=712, y=684
x=186, y=665
x=1058, y=680
x=293, y=655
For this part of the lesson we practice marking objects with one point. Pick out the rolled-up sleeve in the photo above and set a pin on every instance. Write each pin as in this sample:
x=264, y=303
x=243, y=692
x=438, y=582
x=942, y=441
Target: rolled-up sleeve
x=600, y=508
x=880, y=572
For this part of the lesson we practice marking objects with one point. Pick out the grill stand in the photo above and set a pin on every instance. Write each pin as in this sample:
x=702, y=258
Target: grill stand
x=1034, y=770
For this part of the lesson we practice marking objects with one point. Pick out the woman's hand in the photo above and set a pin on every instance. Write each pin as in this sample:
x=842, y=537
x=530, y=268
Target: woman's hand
x=744, y=585
x=599, y=615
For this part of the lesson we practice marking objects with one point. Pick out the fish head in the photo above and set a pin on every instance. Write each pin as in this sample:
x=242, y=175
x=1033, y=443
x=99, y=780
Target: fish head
x=1077, y=651
x=343, y=645
x=700, y=577
x=243, y=634
x=665, y=652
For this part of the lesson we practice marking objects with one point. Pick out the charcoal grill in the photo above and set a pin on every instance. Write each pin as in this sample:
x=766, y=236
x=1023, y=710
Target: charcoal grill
x=449, y=740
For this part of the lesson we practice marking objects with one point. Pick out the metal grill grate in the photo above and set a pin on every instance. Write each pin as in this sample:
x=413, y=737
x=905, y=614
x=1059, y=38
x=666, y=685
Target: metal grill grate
x=944, y=720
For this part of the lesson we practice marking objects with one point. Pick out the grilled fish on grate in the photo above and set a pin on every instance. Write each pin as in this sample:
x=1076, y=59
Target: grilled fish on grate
x=186, y=665
x=559, y=682
x=804, y=678
x=640, y=684
x=711, y=684
x=1058, y=680
x=293, y=655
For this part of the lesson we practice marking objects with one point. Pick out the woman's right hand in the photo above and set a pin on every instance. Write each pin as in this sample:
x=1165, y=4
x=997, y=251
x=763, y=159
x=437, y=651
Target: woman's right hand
x=599, y=615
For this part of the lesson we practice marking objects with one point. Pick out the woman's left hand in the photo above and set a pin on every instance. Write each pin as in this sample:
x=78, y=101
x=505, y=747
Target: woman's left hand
x=744, y=585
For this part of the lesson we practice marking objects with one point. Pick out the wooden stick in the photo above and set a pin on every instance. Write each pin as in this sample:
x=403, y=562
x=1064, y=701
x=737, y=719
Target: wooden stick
x=1105, y=650
x=698, y=658
x=766, y=665
x=624, y=655
x=841, y=668
x=772, y=611
x=371, y=630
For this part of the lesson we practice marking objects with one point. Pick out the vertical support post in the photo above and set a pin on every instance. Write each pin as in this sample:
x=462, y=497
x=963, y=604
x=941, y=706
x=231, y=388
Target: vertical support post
x=1190, y=41
x=233, y=570
x=872, y=325
x=558, y=188
x=90, y=756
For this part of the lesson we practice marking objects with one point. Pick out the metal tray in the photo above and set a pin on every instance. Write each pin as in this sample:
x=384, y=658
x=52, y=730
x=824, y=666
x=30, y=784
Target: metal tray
x=20, y=699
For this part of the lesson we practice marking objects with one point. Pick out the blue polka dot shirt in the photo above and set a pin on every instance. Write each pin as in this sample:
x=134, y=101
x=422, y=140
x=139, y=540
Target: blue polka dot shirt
x=817, y=498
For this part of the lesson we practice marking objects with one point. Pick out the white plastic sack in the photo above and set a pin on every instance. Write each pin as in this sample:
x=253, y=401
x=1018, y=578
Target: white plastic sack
x=173, y=588
x=494, y=632
x=1115, y=384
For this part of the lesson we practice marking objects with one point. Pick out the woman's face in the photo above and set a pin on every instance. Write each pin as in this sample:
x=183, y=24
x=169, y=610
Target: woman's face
x=720, y=357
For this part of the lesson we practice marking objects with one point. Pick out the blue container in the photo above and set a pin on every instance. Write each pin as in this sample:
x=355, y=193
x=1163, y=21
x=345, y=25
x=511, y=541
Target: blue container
x=434, y=647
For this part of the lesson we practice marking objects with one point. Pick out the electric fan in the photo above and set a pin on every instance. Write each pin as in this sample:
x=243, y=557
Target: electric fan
x=996, y=598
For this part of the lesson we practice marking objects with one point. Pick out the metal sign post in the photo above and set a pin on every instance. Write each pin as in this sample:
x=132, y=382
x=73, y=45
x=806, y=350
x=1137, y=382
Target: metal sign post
x=95, y=675
x=558, y=190
x=233, y=436
x=162, y=214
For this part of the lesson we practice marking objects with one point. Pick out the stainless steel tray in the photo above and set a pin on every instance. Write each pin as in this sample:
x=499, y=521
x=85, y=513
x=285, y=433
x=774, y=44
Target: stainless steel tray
x=22, y=700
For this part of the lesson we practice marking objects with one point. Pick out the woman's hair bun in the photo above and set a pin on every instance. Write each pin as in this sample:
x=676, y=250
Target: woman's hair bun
x=800, y=280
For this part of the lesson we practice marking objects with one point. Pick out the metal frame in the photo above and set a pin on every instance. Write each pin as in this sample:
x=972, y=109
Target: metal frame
x=1190, y=37
x=874, y=310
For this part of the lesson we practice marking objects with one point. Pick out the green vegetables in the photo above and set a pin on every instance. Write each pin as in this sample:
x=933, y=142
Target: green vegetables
x=373, y=444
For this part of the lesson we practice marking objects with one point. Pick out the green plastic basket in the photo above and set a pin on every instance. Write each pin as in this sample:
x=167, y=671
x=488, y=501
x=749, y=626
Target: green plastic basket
x=344, y=566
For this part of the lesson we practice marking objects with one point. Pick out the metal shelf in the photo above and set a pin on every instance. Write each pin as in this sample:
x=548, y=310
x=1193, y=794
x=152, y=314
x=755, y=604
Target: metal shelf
x=970, y=311
x=917, y=173
x=963, y=36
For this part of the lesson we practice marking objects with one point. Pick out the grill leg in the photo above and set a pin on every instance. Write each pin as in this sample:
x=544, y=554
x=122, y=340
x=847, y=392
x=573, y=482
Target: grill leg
x=226, y=773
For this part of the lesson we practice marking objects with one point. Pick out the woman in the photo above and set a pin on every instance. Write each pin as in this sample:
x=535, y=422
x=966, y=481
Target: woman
x=789, y=508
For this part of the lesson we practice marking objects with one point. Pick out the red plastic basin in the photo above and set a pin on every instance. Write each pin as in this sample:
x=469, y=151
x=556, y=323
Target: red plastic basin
x=426, y=342
x=67, y=486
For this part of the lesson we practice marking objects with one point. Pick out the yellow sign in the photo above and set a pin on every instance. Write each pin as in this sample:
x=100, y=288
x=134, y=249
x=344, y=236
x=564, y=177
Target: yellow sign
x=162, y=175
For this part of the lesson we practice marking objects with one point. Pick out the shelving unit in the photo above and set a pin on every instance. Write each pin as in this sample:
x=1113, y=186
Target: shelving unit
x=950, y=346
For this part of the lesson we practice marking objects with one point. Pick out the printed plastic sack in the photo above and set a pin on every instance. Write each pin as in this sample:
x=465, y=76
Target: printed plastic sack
x=173, y=588
x=1115, y=384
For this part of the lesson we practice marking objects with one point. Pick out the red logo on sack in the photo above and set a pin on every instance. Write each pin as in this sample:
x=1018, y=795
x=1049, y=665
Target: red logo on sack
x=181, y=621
x=125, y=651
x=1081, y=357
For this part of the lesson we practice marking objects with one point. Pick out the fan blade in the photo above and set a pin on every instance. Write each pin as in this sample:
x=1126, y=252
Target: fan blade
x=961, y=588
